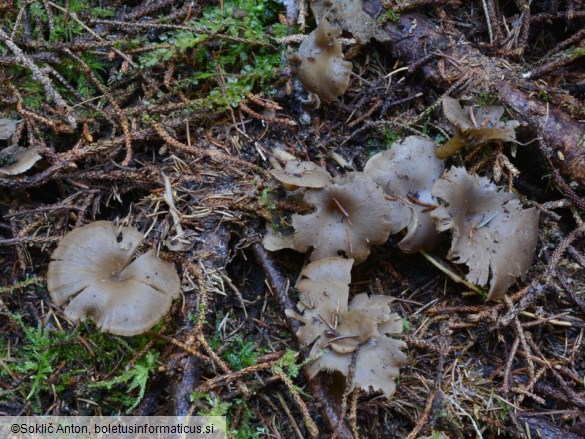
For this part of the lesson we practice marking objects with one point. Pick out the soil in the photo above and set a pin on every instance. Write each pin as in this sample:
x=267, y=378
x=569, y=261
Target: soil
x=115, y=101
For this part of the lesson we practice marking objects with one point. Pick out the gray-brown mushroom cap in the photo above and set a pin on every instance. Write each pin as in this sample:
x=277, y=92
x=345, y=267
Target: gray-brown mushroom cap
x=351, y=214
x=17, y=160
x=491, y=231
x=475, y=126
x=349, y=15
x=409, y=168
x=323, y=70
x=298, y=173
x=92, y=268
x=337, y=329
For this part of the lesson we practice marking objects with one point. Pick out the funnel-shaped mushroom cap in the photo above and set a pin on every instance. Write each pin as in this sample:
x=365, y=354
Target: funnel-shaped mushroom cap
x=409, y=167
x=15, y=160
x=349, y=15
x=338, y=330
x=92, y=266
x=351, y=214
x=297, y=173
x=323, y=70
x=475, y=126
x=491, y=231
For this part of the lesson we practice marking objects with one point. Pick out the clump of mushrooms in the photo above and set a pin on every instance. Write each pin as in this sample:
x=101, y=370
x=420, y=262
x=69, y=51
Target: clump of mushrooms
x=349, y=15
x=406, y=172
x=475, y=126
x=351, y=215
x=93, y=270
x=337, y=329
x=323, y=69
x=492, y=233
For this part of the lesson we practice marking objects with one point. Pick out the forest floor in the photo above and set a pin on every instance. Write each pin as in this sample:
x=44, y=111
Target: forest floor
x=117, y=96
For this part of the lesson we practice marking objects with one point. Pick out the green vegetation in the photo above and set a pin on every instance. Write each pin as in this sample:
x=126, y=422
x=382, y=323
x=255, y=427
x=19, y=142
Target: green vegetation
x=238, y=353
x=50, y=361
x=242, y=60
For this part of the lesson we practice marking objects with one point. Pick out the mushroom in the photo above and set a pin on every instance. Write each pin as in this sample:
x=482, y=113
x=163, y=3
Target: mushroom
x=339, y=330
x=351, y=214
x=297, y=173
x=322, y=69
x=349, y=15
x=408, y=169
x=491, y=231
x=92, y=268
x=475, y=126
x=16, y=160
x=7, y=128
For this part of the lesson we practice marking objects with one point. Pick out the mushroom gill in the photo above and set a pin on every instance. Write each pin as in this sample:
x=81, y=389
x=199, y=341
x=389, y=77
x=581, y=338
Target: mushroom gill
x=475, y=126
x=406, y=170
x=338, y=330
x=351, y=215
x=92, y=268
x=491, y=231
x=323, y=69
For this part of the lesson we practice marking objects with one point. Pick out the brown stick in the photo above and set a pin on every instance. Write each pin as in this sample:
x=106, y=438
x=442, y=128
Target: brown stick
x=414, y=37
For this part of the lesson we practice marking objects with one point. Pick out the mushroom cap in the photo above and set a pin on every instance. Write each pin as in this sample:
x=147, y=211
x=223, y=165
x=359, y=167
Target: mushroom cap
x=7, y=128
x=298, y=173
x=491, y=231
x=409, y=167
x=323, y=70
x=323, y=292
x=351, y=214
x=92, y=268
x=483, y=127
x=17, y=160
x=349, y=15
x=369, y=325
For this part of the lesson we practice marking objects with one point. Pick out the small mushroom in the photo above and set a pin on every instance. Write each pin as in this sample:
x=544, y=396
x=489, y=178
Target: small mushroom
x=408, y=169
x=323, y=69
x=92, y=268
x=475, y=126
x=15, y=160
x=339, y=330
x=349, y=15
x=491, y=231
x=7, y=128
x=351, y=215
x=298, y=173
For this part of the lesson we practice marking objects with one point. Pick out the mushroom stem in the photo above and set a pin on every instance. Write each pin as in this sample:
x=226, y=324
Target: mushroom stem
x=453, y=276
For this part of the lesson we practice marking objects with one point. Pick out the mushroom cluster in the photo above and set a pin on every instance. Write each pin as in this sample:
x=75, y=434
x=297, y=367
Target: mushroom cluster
x=491, y=231
x=338, y=329
x=475, y=126
x=93, y=270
